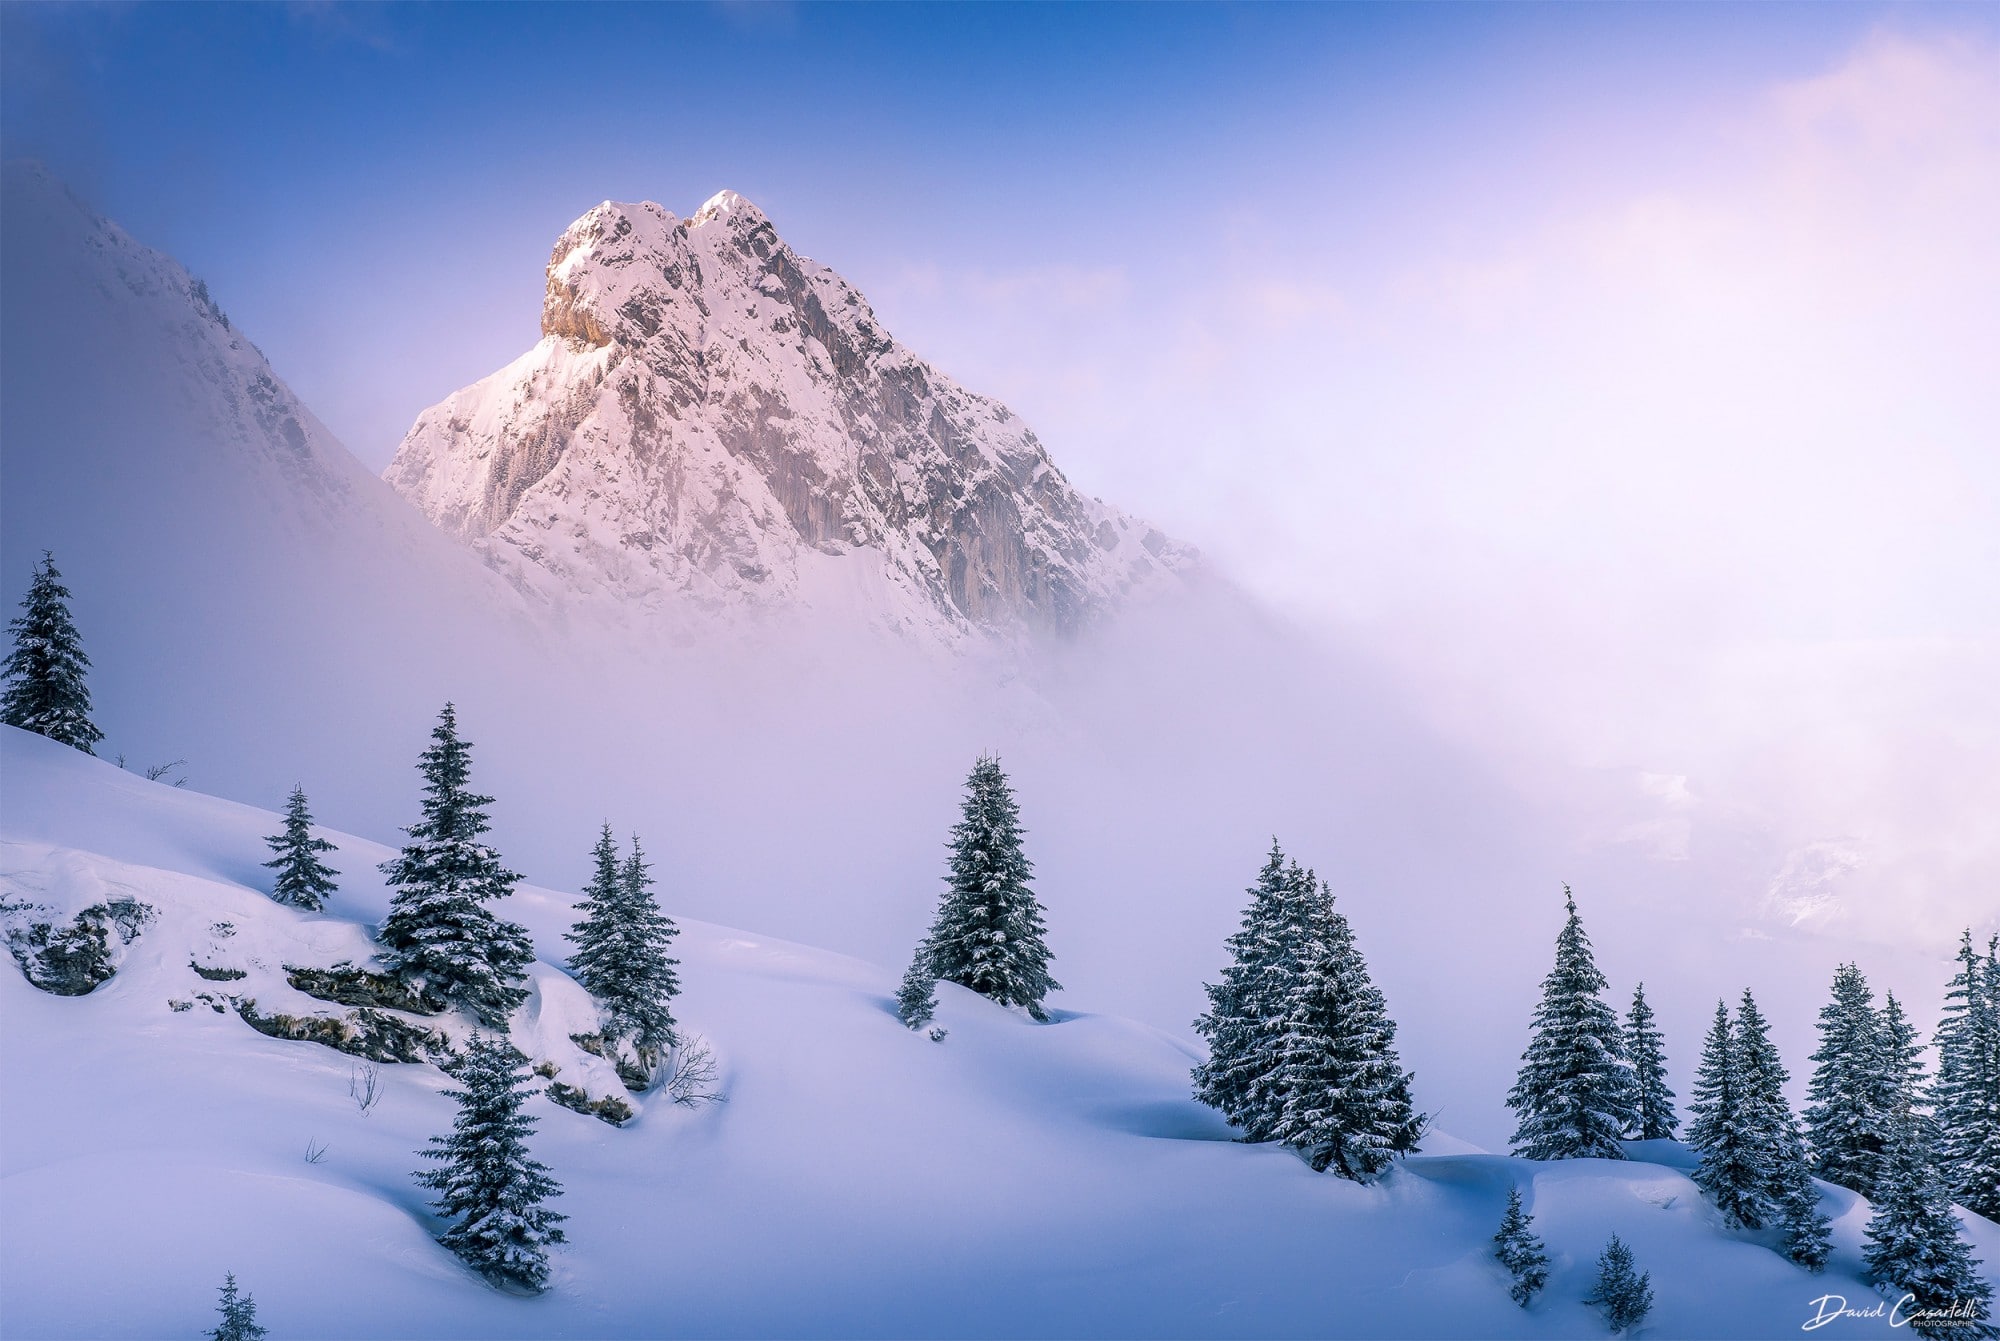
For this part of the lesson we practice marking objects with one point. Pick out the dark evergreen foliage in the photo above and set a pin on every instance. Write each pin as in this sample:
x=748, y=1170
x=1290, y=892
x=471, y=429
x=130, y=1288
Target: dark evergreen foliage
x=1625, y=1294
x=440, y=936
x=239, y=1315
x=1915, y=1244
x=46, y=688
x=1243, y=1024
x=1301, y=1046
x=1575, y=1092
x=621, y=950
x=1732, y=1173
x=1848, y=1112
x=1966, y=1095
x=1790, y=1201
x=304, y=881
x=1753, y=1157
x=988, y=934
x=1521, y=1252
x=1805, y=1231
x=1652, y=1098
x=487, y=1183
x=1339, y=1091
x=916, y=999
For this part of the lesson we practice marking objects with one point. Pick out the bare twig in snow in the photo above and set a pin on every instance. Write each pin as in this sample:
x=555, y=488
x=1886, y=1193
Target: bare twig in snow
x=691, y=1075
x=364, y=1085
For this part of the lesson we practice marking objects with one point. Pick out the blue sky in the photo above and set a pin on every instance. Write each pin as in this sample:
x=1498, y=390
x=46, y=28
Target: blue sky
x=328, y=169
x=1620, y=375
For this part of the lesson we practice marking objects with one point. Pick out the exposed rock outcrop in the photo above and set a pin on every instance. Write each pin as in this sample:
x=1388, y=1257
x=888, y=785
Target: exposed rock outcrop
x=77, y=957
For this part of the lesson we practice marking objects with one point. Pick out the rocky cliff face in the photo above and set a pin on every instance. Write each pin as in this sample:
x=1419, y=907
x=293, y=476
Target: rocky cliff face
x=711, y=417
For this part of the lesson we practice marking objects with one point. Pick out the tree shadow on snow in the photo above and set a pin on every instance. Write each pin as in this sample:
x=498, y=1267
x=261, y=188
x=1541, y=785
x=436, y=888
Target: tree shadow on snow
x=1165, y=1120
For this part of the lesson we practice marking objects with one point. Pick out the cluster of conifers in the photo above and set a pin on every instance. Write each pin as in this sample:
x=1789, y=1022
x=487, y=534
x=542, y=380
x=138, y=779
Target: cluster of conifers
x=1301, y=1044
x=1301, y=1051
x=443, y=941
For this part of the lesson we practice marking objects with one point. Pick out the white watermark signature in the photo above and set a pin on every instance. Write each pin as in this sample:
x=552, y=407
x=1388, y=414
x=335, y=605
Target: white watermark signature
x=1833, y=1307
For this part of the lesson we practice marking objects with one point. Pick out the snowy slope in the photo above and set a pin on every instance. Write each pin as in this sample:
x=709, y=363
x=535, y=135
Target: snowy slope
x=711, y=416
x=1015, y=1180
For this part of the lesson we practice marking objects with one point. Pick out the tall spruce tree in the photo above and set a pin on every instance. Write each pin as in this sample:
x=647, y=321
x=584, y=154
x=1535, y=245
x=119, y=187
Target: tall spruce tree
x=1902, y=1058
x=46, y=690
x=1574, y=1093
x=1905, y=1090
x=1790, y=1200
x=487, y=1183
x=1914, y=1243
x=1965, y=1097
x=239, y=1315
x=1521, y=1252
x=1847, y=1120
x=1654, y=1101
x=1243, y=1023
x=988, y=934
x=1623, y=1292
x=440, y=936
x=1732, y=1172
x=1338, y=1090
x=304, y=881
x=621, y=950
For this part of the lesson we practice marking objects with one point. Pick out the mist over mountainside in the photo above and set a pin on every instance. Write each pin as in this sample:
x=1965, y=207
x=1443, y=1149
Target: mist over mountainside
x=250, y=592
x=257, y=604
x=710, y=415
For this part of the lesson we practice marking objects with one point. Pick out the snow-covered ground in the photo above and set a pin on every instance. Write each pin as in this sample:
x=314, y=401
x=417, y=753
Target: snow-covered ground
x=858, y=1179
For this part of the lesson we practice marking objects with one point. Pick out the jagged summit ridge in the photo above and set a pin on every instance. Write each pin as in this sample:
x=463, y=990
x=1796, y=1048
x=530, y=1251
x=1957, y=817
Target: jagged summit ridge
x=711, y=417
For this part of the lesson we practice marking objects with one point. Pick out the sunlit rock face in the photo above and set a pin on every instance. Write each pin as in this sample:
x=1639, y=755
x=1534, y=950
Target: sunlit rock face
x=711, y=420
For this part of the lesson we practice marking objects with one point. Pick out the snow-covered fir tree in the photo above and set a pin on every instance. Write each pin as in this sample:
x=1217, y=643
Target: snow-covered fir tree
x=239, y=1315
x=1805, y=1232
x=1521, y=1252
x=621, y=950
x=1340, y=1094
x=1647, y=1050
x=916, y=999
x=1753, y=1157
x=1574, y=1093
x=1733, y=1173
x=1902, y=1057
x=1790, y=1201
x=46, y=689
x=1243, y=1024
x=1622, y=1291
x=440, y=936
x=988, y=934
x=1301, y=1046
x=1847, y=1119
x=1965, y=1097
x=304, y=881
x=1915, y=1244
x=488, y=1185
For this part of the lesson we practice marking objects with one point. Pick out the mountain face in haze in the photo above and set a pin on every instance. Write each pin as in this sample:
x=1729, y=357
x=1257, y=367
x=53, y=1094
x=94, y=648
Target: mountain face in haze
x=710, y=416
x=249, y=593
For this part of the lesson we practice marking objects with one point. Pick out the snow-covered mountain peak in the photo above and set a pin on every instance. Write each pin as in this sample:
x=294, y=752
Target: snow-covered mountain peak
x=729, y=206
x=712, y=421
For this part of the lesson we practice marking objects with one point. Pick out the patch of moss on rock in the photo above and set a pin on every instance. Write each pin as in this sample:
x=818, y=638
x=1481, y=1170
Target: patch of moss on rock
x=346, y=985
x=360, y=1033
x=610, y=1109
